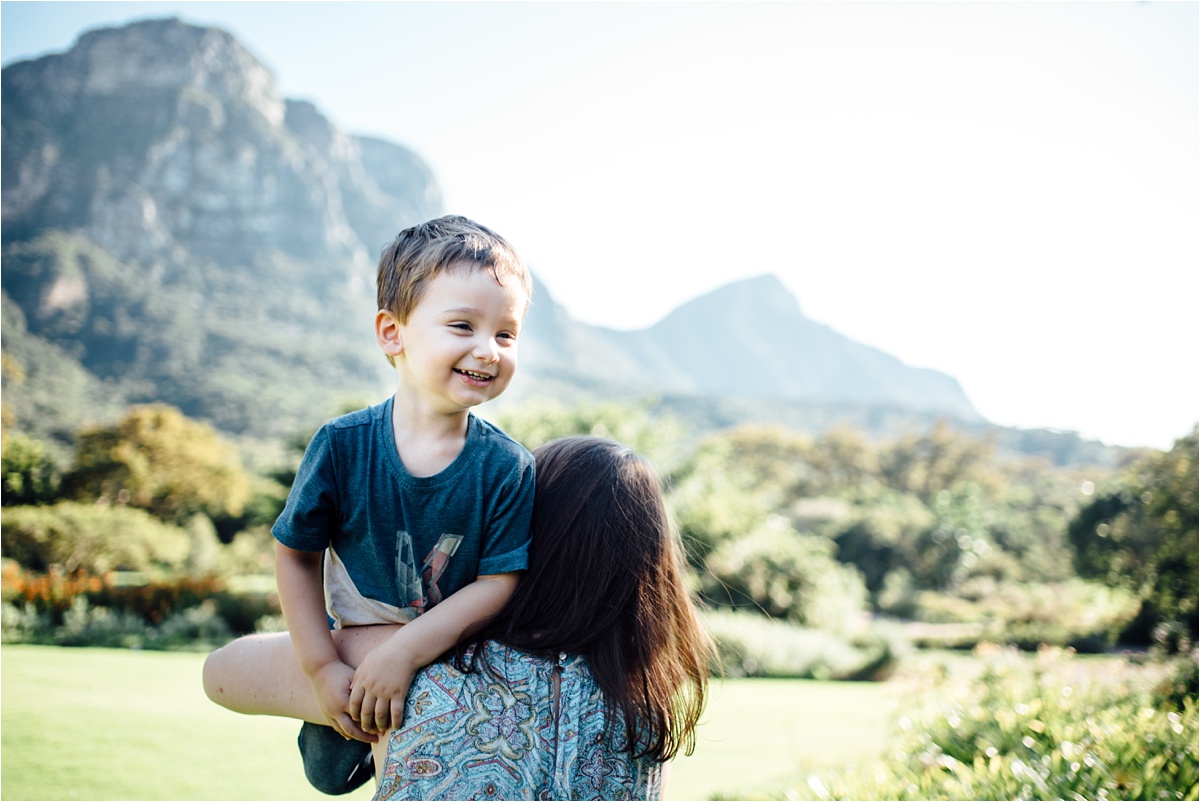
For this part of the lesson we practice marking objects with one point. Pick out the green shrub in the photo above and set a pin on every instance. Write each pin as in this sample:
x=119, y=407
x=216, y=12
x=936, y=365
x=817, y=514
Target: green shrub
x=52, y=596
x=1143, y=535
x=1050, y=728
x=27, y=472
x=752, y=645
x=245, y=612
x=1082, y=615
x=96, y=539
x=159, y=460
x=199, y=627
x=1179, y=684
x=84, y=625
x=786, y=574
x=25, y=624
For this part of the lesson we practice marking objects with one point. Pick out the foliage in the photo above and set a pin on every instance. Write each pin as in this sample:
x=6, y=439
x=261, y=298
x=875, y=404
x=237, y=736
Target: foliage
x=83, y=624
x=70, y=536
x=1086, y=616
x=815, y=531
x=1050, y=730
x=921, y=513
x=785, y=574
x=160, y=461
x=925, y=465
x=540, y=421
x=1142, y=534
x=879, y=535
x=30, y=475
x=750, y=645
x=99, y=610
x=711, y=503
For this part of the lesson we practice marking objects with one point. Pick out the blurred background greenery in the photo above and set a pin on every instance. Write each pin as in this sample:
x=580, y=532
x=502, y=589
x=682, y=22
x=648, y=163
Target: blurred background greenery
x=830, y=558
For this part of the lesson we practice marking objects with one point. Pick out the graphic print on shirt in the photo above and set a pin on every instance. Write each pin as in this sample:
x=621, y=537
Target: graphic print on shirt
x=408, y=581
x=435, y=565
x=420, y=589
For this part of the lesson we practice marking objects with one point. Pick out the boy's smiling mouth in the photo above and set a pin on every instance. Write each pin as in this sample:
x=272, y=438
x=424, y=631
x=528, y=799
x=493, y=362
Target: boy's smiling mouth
x=470, y=374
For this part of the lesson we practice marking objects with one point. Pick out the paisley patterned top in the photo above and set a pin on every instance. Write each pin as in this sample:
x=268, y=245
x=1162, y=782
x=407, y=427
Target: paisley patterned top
x=539, y=733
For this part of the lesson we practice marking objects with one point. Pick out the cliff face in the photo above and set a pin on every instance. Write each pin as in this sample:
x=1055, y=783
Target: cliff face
x=153, y=177
x=162, y=135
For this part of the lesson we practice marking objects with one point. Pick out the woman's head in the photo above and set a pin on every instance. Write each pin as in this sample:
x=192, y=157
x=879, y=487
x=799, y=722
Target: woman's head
x=605, y=580
x=602, y=545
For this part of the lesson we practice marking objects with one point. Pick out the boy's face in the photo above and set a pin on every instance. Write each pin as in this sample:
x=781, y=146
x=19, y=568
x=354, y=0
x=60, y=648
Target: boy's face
x=459, y=346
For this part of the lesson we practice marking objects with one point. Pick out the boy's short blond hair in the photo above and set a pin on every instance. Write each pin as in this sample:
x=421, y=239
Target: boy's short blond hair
x=448, y=243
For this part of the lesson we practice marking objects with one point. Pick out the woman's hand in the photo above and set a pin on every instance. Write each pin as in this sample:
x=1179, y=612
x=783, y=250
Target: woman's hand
x=380, y=686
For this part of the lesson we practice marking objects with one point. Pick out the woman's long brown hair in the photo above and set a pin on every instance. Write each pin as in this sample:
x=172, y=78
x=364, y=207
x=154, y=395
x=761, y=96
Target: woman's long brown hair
x=605, y=580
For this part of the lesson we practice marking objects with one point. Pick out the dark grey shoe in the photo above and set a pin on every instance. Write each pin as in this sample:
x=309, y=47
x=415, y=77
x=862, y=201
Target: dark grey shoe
x=332, y=764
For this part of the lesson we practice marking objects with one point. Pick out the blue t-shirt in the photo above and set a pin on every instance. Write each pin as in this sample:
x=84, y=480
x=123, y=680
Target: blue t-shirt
x=397, y=543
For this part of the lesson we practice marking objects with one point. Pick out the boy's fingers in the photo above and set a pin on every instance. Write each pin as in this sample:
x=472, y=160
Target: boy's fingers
x=364, y=712
x=351, y=730
x=382, y=710
x=355, y=705
x=397, y=714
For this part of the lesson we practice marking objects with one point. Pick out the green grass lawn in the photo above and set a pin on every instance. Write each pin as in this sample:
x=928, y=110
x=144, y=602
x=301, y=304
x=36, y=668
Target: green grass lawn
x=111, y=724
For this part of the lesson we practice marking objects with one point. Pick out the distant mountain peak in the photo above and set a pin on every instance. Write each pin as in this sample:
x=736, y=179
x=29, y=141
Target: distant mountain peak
x=739, y=302
x=750, y=339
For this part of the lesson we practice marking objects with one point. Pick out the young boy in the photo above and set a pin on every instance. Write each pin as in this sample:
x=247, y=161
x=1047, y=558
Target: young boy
x=413, y=512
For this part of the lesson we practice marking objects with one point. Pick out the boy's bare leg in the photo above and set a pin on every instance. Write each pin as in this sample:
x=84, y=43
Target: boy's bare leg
x=260, y=675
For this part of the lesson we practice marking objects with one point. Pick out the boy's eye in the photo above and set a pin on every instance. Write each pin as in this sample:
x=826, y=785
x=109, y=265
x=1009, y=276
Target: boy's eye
x=507, y=335
x=461, y=326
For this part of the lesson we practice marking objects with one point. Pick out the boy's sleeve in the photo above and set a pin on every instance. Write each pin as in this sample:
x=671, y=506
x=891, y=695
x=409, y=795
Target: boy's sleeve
x=506, y=541
x=309, y=518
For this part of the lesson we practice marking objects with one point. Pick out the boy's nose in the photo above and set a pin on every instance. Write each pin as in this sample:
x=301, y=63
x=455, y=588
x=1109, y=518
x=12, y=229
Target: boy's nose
x=488, y=351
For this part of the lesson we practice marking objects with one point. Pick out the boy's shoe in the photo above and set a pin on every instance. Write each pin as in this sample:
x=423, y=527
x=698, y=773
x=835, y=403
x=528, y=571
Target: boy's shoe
x=332, y=764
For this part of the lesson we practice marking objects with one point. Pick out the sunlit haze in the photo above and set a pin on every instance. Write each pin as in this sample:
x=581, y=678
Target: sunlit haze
x=1005, y=192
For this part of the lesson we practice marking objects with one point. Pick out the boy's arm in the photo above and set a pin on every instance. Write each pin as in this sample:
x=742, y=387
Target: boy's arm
x=381, y=681
x=301, y=595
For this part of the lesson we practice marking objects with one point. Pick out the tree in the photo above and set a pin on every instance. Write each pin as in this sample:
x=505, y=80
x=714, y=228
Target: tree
x=71, y=536
x=158, y=460
x=1142, y=534
x=30, y=475
x=785, y=574
x=937, y=461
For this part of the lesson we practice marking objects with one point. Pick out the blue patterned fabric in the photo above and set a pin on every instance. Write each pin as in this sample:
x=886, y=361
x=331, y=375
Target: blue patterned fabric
x=476, y=736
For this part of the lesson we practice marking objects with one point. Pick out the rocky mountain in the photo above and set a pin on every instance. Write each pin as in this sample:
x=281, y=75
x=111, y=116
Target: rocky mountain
x=174, y=229
x=747, y=340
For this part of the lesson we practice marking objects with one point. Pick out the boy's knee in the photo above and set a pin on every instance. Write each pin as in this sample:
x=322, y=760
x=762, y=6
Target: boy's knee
x=214, y=675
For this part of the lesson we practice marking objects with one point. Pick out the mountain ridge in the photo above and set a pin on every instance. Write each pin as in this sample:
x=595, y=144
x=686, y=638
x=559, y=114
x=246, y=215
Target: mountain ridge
x=175, y=230
x=680, y=354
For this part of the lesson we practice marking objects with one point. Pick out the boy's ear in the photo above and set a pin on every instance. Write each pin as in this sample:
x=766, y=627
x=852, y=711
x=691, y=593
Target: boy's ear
x=387, y=333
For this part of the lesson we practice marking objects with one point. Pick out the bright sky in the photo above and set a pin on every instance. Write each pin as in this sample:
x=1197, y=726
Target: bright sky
x=1006, y=192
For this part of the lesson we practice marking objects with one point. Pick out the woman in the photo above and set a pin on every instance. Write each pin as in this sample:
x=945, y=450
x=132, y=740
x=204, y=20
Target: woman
x=591, y=677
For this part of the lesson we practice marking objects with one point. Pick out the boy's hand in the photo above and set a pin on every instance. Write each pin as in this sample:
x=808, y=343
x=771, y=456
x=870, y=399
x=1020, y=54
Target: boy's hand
x=331, y=688
x=380, y=686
